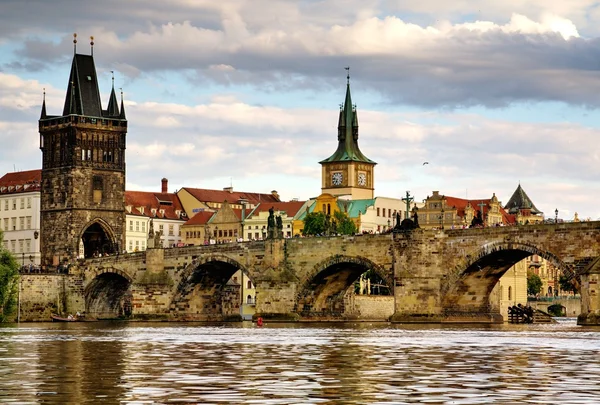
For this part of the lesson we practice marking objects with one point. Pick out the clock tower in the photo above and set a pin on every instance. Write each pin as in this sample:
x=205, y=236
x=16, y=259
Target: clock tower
x=348, y=171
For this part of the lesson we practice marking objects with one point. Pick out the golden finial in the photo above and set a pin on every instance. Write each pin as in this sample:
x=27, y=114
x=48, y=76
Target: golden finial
x=74, y=42
x=44, y=94
x=92, y=44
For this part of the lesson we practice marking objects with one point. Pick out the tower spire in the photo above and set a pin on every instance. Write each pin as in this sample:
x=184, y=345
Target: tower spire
x=113, y=109
x=348, y=73
x=43, y=114
x=122, y=115
x=92, y=44
x=74, y=43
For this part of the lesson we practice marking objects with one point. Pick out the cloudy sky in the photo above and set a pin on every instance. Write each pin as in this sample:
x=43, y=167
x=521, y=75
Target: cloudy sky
x=247, y=92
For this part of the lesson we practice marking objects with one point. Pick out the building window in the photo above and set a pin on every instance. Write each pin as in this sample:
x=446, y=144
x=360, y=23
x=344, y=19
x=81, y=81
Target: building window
x=21, y=245
x=249, y=284
x=143, y=226
x=28, y=245
x=249, y=236
x=22, y=203
x=249, y=299
x=130, y=245
x=6, y=224
x=13, y=245
x=98, y=187
x=21, y=223
x=13, y=221
x=131, y=226
x=14, y=201
x=171, y=230
x=28, y=219
x=28, y=202
x=137, y=226
x=509, y=293
x=377, y=211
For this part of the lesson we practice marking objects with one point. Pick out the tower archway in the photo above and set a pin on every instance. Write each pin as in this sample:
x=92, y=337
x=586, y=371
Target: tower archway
x=96, y=239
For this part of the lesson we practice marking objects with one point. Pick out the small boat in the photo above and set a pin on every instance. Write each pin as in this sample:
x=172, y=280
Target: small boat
x=70, y=318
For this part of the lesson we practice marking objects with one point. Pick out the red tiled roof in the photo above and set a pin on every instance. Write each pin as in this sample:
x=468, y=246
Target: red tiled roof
x=219, y=196
x=201, y=218
x=15, y=182
x=169, y=202
x=461, y=204
x=290, y=207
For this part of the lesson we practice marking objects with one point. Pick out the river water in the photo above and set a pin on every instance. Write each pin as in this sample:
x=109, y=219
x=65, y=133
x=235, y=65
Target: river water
x=353, y=363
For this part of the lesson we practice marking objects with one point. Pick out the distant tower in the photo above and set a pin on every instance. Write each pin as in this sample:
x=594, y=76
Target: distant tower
x=83, y=170
x=348, y=171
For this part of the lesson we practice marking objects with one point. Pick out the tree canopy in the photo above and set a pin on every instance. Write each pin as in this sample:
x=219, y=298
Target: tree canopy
x=9, y=283
x=318, y=223
x=566, y=284
x=534, y=284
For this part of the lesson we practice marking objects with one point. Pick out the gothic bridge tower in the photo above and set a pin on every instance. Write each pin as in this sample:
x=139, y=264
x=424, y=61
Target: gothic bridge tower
x=83, y=170
x=348, y=171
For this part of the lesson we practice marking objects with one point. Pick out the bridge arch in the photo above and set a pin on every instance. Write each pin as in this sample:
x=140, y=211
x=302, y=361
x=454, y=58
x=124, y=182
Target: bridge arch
x=321, y=292
x=467, y=289
x=108, y=294
x=204, y=290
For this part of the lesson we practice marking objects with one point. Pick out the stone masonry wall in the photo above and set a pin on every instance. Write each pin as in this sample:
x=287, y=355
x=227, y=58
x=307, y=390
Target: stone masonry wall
x=44, y=294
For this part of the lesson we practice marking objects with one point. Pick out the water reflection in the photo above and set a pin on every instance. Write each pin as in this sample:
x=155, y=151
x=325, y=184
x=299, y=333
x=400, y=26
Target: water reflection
x=298, y=363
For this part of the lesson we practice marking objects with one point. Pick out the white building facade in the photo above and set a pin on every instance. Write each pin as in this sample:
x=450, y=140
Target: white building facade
x=20, y=215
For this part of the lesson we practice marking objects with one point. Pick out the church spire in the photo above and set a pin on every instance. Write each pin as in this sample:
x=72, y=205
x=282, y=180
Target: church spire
x=348, y=149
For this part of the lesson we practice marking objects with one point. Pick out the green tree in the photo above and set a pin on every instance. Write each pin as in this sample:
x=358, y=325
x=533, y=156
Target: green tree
x=534, y=284
x=315, y=223
x=566, y=284
x=9, y=283
x=344, y=225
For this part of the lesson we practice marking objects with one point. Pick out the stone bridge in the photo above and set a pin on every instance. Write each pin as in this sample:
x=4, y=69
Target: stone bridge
x=435, y=276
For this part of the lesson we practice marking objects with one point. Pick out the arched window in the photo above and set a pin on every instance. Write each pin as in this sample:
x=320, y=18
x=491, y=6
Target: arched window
x=509, y=293
x=249, y=299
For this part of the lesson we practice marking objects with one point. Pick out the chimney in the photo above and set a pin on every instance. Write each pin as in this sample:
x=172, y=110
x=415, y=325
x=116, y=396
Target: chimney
x=164, y=185
x=228, y=189
x=275, y=194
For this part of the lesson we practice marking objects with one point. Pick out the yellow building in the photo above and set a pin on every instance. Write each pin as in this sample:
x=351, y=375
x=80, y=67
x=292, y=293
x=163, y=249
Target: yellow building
x=511, y=289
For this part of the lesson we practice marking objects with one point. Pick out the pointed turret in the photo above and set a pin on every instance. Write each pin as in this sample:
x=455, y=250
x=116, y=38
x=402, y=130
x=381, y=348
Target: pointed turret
x=113, y=107
x=348, y=149
x=43, y=114
x=122, y=115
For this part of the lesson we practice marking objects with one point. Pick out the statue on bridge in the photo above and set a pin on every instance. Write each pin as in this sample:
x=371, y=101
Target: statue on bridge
x=279, y=227
x=271, y=231
x=150, y=241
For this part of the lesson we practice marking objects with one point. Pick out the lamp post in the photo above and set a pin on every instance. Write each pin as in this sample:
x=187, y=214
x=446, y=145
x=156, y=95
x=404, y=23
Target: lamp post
x=556, y=216
x=442, y=219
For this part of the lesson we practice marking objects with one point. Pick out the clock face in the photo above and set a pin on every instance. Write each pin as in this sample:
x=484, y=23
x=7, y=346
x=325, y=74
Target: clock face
x=336, y=178
x=362, y=179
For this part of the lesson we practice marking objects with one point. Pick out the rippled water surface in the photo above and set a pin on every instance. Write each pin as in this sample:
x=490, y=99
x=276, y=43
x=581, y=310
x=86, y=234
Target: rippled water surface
x=298, y=364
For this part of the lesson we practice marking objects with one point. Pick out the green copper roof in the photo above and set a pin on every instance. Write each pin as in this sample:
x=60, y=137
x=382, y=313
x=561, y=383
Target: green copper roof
x=355, y=207
x=347, y=150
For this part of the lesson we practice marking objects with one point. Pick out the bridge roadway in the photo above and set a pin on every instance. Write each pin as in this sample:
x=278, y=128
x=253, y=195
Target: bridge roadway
x=435, y=276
